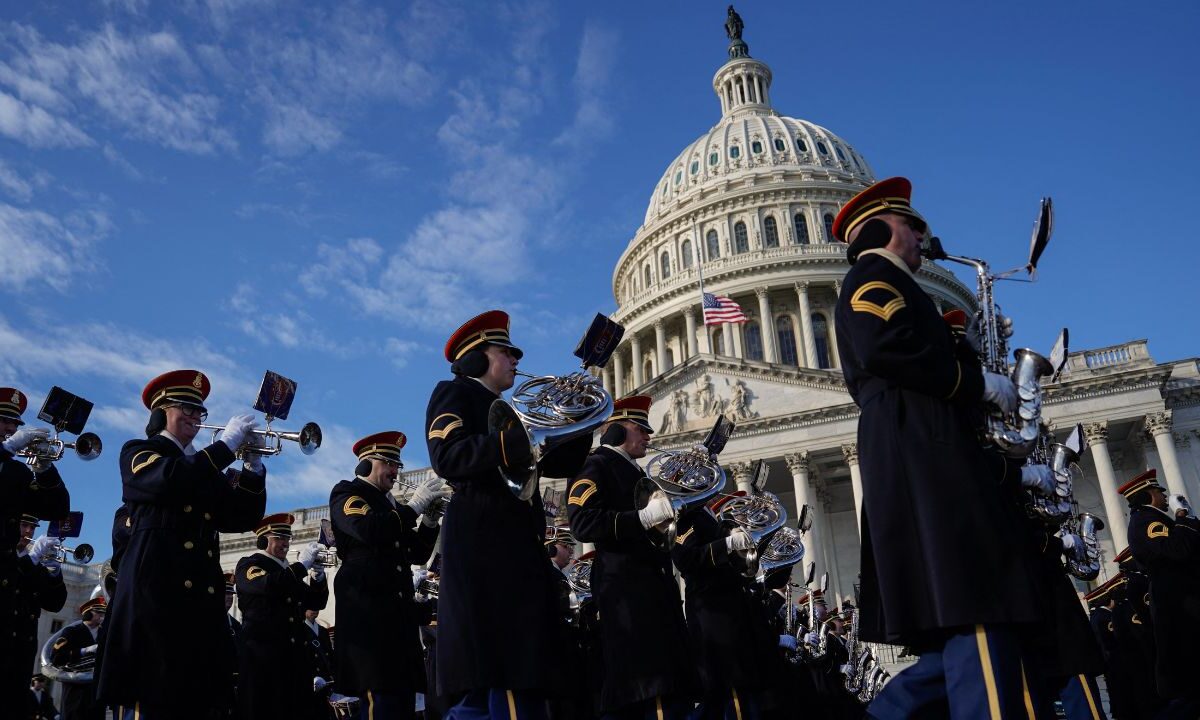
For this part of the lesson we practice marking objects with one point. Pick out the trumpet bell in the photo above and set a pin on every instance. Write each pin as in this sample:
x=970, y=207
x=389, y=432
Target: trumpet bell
x=88, y=446
x=83, y=554
x=309, y=438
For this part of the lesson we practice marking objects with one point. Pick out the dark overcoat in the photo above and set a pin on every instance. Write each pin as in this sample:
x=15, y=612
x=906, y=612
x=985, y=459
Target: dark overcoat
x=644, y=637
x=378, y=636
x=1169, y=550
x=732, y=643
x=21, y=493
x=1063, y=643
x=78, y=699
x=934, y=511
x=276, y=675
x=497, y=606
x=167, y=642
x=38, y=589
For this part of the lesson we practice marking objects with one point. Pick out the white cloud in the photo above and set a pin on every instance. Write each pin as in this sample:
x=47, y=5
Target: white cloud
x=593, y=69
x=35, y=127
x=13, y=184
x=39, y=247
x=293, y=130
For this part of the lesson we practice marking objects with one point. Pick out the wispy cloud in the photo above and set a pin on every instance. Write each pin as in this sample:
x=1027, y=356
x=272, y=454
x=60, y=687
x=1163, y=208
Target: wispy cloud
x=40, y=248
x=35, y=127
x=593, y=69
x=18, y=186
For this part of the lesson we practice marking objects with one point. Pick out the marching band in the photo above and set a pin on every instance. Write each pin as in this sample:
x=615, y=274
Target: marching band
x=462, y=596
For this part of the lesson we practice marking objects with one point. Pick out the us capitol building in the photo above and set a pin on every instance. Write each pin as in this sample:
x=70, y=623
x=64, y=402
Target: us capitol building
x=750, y=204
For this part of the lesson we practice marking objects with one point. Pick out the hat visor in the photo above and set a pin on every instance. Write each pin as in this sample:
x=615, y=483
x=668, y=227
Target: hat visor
x=642, y=424
x=518, y=353
x=14, y=418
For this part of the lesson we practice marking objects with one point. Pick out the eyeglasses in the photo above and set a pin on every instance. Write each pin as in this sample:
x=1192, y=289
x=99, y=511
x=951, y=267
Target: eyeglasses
x=191, y=411
x=918, y=225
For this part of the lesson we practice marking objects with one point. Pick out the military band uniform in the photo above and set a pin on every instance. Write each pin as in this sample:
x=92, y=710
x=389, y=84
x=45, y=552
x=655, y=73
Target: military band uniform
x=1169, y=549
x=276, y=667
x=1133, y=635
x=40, y=706
x=167, y=641
x=78, y=699
x=635, y=592
x=379, y=645
x=732, y=645
x=37, y=588
x=934, y=506
x=22, y=492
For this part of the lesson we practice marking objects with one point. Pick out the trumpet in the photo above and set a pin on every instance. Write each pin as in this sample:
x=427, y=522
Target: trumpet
x=308, y=437
x=82, y=555
x=52, y=448
x=327, y=558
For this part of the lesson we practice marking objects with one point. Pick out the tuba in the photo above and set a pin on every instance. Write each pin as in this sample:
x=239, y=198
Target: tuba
x=1015, y=434
x=554, y=409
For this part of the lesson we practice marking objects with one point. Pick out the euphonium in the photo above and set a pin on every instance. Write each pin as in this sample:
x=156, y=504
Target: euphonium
x=1085, y=564
x=552, y=410
x=684, y=477
x=79, y=672
x=759, y=515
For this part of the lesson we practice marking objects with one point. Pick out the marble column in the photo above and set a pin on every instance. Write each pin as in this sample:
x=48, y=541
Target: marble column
x=635, y=349
x=606, y=379
x=1159, y=425
x=618, y=359
x=727, y=339
x=766, y=323
x=824, y=501
x=808, y=342
x=689, y=321
x=1114, y=504
x=735, y=333
x=850, y=452
x=798, y=465
x=1191, y=478
x=742, y=476
x=660, y=345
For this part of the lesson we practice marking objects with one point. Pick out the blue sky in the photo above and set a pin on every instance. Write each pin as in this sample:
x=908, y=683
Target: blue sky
x=326, y=189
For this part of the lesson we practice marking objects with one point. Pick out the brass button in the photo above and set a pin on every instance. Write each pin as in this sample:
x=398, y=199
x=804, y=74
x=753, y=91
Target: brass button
x=210, y=590
x=4, y=583
x=210, y=553
x=188, y=545
x=397, y=543
x=207, y=516
x=187, y=584
x=187, y=508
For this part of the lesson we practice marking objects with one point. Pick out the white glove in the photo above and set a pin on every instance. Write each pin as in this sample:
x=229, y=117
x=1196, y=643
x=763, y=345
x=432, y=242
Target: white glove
x=319, y=683
x=42, y=548
x=787, y=642
x=308, y=556
x=434, y=512
x=1000, y=391
x=656, y=511
x=812, y=639
x=21, y=438
x=254, y=463
x=52, y=565
x=317, y=573
x=1039, y=478
x=1070, y=541
x=89, y=650
x=739, y=539
x=1177, y=503
x=236, y=430
x=429, y=490
x=419, y=574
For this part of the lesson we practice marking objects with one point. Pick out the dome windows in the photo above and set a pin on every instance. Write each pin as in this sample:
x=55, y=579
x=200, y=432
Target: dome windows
x=714, y=157
x=678, y=176
x=821, y=148
x=828, y=227
x=801, y=146
x=756, y=147
x=741, y=243
x=770, y=232
x=664, y=262
x=841, y=155
x=685, y=252
x=646, y=275
x=735, y=152
x=695, y=166
x=780, y=145
x=712, y=245
x=800, y=224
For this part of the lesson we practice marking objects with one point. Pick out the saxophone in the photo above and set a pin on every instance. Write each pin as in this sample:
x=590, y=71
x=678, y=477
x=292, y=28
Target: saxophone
x=1014, y=434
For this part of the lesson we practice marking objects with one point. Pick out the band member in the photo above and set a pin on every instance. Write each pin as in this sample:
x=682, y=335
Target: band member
x=276, y=672
x=178, y=499
x=632, y=581
x=321, y=649
x=491, y=645
x=733, y=646
x=41, y=704
x=77, y=642
x=37, y=492
x=920, y=397
x=1164, y=537
x=235, y=632
x=379, y=654
x=39, y=587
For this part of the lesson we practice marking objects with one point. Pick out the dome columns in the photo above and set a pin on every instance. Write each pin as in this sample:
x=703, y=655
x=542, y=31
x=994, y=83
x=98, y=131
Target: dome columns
x=806, y=326
x=767, y=325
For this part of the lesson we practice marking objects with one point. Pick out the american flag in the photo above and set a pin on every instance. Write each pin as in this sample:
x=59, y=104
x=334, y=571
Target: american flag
x=720, y=309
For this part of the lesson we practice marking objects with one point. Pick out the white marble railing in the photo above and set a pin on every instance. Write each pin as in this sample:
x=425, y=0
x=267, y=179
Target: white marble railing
x=1126, y=355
